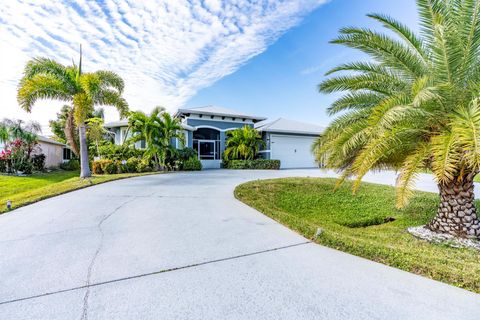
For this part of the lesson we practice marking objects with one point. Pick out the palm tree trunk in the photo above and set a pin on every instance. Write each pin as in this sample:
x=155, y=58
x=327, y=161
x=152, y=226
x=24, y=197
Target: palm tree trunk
x=70, y=133
x=84, y=166
x=456, y=214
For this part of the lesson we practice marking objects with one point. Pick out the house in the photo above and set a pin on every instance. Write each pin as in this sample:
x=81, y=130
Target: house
x=55, y=152
x=205, y=131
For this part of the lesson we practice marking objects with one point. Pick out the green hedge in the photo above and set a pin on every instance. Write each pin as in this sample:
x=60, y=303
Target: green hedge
x=192, y=164
x=253, y=164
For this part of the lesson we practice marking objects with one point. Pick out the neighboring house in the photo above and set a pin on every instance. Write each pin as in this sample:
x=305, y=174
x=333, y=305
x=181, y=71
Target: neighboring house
x=55, y=152
x=205, y=131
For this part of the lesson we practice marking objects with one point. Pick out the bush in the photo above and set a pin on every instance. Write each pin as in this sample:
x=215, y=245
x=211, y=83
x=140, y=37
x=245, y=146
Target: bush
x=119, y=152
x=38, y=162
x=132, y=164
x=253, y=164
x=70, y=165
x=97, y=167
x=144, y=166
x=110, y=167
x=192, y=164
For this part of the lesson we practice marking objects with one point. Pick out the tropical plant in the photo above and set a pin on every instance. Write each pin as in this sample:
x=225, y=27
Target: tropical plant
x=414, y=106
x=243, y=144
x=20, y=140
x=96, y=132
x=47, y=79
x=157, y=130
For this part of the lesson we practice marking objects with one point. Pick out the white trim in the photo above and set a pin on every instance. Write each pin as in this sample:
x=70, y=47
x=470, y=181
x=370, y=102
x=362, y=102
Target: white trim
x=264, y=151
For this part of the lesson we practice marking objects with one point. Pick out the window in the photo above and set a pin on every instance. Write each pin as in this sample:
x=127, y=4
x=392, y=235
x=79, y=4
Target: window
x=67, y=154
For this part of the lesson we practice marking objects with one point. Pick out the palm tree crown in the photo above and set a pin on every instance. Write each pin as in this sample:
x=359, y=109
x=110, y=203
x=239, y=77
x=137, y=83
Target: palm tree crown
x=415, y=105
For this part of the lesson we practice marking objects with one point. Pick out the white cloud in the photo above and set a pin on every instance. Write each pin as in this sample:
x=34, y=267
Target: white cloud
x=165, y=50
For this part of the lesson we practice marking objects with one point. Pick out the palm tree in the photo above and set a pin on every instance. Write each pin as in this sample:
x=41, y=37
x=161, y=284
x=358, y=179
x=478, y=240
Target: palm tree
x=146, y=127
x=243, y=143
x=157, y=130
x=47, y=79
x=414, y=106
x=170, y=128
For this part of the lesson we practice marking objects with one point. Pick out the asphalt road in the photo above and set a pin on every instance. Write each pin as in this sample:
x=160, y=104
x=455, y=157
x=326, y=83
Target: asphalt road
x=180, y=246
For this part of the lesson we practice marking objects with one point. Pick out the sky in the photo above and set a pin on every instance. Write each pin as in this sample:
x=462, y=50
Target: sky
x=260, y=57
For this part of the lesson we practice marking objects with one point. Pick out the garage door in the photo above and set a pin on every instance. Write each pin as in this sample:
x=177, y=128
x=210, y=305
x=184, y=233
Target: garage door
x=292, y=151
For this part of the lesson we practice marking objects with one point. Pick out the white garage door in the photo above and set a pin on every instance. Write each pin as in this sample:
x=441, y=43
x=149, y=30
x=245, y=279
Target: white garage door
x=292, y=151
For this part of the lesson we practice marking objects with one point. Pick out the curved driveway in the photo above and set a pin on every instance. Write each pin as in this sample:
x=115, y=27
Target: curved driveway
x=179, y=246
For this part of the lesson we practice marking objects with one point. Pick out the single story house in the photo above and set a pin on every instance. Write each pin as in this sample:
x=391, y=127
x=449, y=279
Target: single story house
x=205, y=131
x=55, y=152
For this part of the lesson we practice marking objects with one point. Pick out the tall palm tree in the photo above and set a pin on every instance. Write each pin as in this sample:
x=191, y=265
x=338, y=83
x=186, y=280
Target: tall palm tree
x=243, y=143
x=415, y=105
x=47, y=79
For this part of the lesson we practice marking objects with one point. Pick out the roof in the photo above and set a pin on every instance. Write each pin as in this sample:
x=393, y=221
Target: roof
x=217, y=111
x=115, y=124
x=51, y=141
x=124, y=123
x=282, y=125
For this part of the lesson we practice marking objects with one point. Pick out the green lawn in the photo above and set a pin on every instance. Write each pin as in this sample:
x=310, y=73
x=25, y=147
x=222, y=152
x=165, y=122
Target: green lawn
x=25, y=190
x=356, y=224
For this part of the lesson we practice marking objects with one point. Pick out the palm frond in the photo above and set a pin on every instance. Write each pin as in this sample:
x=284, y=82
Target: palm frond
x=41, y=86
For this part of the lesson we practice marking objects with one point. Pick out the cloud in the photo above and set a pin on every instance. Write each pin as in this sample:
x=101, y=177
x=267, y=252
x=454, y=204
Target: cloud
x=165, y=50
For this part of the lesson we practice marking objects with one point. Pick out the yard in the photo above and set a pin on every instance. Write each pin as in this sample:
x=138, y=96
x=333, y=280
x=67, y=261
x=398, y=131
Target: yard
x=28, y=189
x=366, y=224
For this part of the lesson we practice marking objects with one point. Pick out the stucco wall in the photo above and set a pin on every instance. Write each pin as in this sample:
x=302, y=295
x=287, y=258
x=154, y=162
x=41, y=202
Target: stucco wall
x=53, y=154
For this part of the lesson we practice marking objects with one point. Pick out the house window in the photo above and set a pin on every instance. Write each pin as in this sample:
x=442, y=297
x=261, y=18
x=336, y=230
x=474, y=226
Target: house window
x=67, y=154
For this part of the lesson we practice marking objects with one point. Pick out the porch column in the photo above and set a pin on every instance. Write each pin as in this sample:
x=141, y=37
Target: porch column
x=222, y=143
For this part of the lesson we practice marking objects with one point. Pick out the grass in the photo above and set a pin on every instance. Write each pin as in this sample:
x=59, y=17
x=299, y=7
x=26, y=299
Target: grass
x=25, y=190
x=357, y=224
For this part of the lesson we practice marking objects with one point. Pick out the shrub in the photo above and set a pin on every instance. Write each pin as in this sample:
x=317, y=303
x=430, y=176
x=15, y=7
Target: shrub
x=144, y=166
x=70, y=165
x=119, y=152
x=110, y=166
x=38, y=162
x=97, y=167
x=132, y=164
x=253, y=164
x=186, y=153
x=192, y=164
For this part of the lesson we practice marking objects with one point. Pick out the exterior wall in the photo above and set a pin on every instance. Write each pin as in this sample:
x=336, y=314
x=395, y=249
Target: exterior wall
x=53, y=154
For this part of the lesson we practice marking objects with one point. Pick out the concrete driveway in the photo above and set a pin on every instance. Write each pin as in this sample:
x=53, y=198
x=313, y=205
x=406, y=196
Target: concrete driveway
x=179, y=246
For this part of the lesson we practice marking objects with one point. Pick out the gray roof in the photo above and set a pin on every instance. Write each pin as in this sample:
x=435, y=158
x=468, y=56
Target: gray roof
x=217, y=111
x=51, y=141
x=282, y=125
